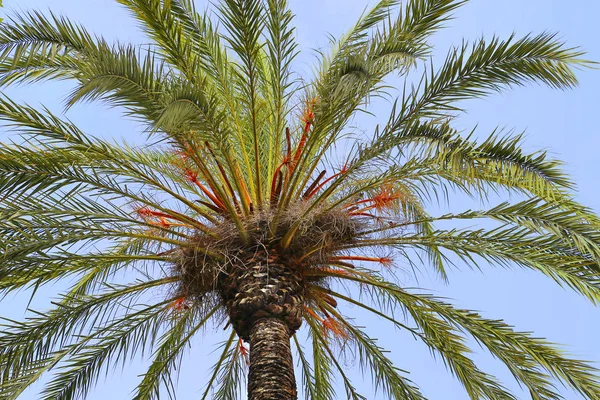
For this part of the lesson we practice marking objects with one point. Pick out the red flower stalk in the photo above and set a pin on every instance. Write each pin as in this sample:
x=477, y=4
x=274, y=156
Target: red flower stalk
x=313, y=314
x=385, y=198
x=308, y=116
x=244, y=194
x=223, y=174
x=335, y=271
x=147, y=212
x=181, y=303
x=386, y=261
x=276, y=190
x=334, y=327
x=285, y=161
x=164, y=220
x=299, y=150
x=308, y=123
x=288, y=140
x=244, y=351
x=314, y=184
x=342, y=263
x=193, y=177
x=326, y=181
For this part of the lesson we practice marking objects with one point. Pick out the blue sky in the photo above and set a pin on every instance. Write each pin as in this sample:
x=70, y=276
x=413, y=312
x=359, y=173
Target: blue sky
x=564, y=123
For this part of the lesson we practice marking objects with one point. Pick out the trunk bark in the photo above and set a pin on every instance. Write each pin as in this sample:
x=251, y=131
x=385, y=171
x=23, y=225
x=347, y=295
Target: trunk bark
x=271, y=374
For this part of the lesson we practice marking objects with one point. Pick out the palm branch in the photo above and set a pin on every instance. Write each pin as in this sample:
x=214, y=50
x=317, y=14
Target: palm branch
x=240, y=217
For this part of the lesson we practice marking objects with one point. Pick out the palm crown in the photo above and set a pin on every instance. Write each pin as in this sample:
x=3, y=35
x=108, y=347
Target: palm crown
x=245, y=216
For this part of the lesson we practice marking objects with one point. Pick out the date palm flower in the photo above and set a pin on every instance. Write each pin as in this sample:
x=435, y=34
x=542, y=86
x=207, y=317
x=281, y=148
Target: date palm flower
x=245, y=215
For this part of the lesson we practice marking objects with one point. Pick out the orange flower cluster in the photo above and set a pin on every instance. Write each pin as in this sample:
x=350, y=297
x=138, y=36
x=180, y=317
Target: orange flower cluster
x=244, y=352
x=382, y=200
x=147, y=212
x=333, y=327
x=385, y=198
x=180, y=304
x=335, y=271
x=158, y=218
x=308, y=116
x=191, y=175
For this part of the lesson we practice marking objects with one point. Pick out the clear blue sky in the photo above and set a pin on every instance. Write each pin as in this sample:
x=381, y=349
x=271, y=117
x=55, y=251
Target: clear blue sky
x=565, y=123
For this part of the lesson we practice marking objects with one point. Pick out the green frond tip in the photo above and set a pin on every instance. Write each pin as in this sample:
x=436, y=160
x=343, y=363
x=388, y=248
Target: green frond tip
x=259, y=208
x=487, y=66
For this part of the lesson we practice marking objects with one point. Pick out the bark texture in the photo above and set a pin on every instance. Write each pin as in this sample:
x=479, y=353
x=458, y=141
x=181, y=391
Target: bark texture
x=266, y=289
x=271, y=374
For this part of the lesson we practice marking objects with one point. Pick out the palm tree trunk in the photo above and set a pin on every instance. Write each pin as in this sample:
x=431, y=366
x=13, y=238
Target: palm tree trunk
x=271, y=374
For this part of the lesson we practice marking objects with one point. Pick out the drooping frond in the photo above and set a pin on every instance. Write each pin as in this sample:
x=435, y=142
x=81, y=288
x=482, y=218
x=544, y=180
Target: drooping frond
x=107, y=345
x=506, y=245
x=324, y=361
x=231, y=374
x=530, y=360
x=223, y=362
x=309, y=384
x=386, y=376
x=169, y=352
x=34, y=342
x=451, y=347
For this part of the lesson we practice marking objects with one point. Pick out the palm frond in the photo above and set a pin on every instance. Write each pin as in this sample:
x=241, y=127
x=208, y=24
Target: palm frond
x=167, y=355
x=282, y=50
x=33, y=343
x=231, y=376
x=438, y=150
x=112, y=344
x=33, y=45
x=308, y=378
x=443, y=340
x=386, y=376
x=508, y=246
x=223, y=360
x=472, y=71
x=529, y=359
x=398, y=43
x=324, y=360
x=122, y=77
x=244, y=21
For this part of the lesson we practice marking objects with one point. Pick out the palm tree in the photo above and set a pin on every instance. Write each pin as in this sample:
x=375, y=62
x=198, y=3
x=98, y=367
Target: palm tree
x=243, y=214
